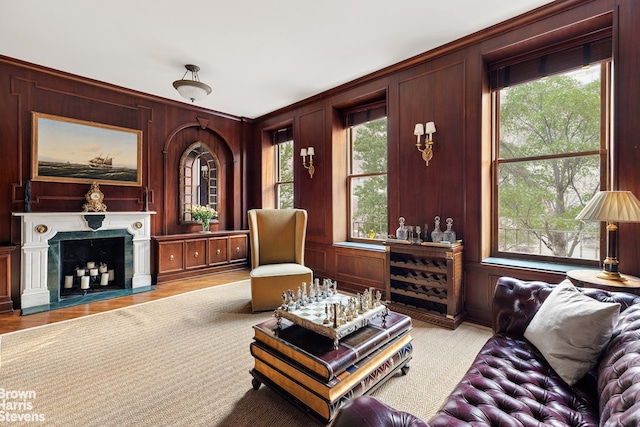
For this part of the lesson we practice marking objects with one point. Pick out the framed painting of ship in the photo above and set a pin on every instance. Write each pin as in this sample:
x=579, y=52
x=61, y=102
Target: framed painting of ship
x=70, y=150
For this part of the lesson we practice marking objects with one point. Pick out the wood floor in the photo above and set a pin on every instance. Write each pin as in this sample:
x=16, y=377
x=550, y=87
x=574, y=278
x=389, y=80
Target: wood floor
x=14, y=321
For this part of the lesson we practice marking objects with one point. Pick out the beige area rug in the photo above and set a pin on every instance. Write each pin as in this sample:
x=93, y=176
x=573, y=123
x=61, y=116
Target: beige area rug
x=185, y=361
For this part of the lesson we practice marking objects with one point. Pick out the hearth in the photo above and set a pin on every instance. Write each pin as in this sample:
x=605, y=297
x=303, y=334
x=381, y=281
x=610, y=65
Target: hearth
x=58, y=245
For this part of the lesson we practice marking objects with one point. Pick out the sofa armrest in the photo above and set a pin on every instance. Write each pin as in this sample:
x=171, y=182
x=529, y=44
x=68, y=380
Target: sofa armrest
x=367, y=411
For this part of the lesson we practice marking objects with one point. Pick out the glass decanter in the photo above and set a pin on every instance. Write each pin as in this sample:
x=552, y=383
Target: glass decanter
x=436, y=234
x=410, y=233
x=401, y=232
x=449, y=235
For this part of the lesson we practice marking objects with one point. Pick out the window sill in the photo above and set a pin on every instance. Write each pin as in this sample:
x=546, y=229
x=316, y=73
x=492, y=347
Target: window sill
x=531, y=265
x=379, y=247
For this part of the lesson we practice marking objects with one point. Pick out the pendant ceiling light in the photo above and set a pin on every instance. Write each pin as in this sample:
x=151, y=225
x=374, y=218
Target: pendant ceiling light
x=192, y=89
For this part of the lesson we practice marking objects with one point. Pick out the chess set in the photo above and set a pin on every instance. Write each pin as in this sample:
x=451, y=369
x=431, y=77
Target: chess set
x=328, y=312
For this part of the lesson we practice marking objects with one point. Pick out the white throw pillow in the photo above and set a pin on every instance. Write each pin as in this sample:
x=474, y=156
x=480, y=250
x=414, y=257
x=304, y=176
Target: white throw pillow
x=571, y=330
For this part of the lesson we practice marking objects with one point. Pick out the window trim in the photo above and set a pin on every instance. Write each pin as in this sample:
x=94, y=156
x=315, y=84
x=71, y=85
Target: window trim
x=606, y=167
x=282, y=136
x=371, y=112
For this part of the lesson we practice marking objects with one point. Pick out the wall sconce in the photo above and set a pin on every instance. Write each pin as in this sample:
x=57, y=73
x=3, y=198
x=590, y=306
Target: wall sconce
x=309, y=166
x=204, y=169
x=419, y=130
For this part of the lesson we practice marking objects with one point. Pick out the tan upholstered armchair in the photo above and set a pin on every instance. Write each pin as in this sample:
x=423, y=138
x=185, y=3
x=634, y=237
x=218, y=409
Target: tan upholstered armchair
x=277, y=238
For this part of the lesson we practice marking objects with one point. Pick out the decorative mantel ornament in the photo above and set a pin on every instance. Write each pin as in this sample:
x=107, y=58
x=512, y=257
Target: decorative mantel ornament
x=203, y=214
x=94, y=200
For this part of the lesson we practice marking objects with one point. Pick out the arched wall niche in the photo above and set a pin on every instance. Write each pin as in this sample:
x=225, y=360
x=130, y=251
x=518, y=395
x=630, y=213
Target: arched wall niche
x=182, y=140
x=198, y=182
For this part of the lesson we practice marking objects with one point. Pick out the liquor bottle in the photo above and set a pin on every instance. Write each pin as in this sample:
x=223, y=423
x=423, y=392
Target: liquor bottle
x=449, y=235
x=436, y=234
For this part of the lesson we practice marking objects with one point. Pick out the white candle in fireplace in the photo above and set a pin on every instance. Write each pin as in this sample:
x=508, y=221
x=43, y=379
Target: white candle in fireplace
x=112, y=275
x=93, y=272
x=91, y=264
x=80, y=272
x=104, y=279
x=68, y=282
x=84, y=282
x=102, y=268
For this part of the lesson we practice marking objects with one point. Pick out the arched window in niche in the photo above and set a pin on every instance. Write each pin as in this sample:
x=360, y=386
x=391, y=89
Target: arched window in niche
x=198, y=179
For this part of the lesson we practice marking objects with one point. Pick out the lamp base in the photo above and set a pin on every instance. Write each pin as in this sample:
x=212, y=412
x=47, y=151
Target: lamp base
x=609, y=275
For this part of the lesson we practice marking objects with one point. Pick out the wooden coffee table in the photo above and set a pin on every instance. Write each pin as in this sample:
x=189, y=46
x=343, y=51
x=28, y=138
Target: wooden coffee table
x=305, y=368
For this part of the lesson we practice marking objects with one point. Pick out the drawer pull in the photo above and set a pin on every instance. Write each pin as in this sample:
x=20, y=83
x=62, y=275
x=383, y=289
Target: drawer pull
x=218, y=252
x=238, y=249
x=196, y=254
x=170, y=257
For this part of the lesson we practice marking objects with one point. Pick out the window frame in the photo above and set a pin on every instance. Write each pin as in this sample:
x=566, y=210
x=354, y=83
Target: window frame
x=604, y=152
x=279, y=137
x=354, y=117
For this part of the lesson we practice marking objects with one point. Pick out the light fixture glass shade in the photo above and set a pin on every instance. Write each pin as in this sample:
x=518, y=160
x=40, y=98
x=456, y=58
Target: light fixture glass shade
x=193, y=89
x=616, y=206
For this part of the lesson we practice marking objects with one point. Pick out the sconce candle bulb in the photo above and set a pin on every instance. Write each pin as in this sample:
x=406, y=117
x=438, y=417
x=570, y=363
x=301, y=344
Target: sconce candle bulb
x=429, y=129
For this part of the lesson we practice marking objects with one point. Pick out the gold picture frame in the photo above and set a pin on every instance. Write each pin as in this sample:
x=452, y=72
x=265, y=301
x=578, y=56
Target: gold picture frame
x=71, y=150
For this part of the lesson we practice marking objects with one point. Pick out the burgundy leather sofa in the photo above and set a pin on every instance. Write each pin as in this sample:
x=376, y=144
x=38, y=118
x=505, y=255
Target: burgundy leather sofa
x=511, y=384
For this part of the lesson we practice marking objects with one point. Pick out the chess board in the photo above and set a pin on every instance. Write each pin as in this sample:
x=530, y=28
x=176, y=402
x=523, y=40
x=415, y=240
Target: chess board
x=312, y=316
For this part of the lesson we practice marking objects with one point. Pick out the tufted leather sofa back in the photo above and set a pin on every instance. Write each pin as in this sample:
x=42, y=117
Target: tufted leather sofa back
x=515, y=302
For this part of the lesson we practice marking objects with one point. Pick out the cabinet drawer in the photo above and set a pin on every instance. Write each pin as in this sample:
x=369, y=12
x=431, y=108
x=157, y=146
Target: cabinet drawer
x=217, y=251
x=170, y=257
x=195, y=253
x=237, y=248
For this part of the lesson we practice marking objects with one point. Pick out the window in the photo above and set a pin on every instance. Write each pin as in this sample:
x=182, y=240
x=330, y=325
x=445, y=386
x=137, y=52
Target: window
x=199, y=179
x=283, y=143
x=550, y=154
x=367, y=174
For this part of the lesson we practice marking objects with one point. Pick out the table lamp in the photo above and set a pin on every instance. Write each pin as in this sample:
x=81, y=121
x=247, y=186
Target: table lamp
x=612, y=207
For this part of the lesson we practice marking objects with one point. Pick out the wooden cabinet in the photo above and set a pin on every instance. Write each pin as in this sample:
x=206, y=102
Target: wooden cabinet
x=6, y=304
x=195, y=253
x=181, y=256
x=218, y=250
x=237, y=248
x=425, y=282
x=170, y=257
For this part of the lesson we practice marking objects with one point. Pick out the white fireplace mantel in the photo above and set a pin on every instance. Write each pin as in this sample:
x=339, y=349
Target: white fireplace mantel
x=38, y=228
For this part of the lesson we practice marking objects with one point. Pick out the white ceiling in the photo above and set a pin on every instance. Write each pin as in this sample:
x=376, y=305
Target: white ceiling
x=257, y=55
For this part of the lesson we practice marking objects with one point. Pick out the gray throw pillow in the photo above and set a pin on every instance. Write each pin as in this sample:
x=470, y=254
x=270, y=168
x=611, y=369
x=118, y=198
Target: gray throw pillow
x=571, y=330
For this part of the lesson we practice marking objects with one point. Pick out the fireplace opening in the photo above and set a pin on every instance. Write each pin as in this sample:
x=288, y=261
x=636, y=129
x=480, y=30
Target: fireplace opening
x=91, y=265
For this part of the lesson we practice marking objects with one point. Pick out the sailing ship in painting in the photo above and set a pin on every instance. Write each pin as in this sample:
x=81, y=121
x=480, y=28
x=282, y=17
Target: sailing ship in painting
x=101, y=162
x=100, y=167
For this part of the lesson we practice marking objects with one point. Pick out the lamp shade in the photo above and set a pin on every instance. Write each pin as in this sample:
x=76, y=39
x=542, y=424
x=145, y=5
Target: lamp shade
x=430, y=128
x=616, y=206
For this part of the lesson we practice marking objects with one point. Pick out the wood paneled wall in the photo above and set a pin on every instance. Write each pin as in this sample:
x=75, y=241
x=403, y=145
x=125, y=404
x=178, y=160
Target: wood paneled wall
x=168, y=127
x=449, y=86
